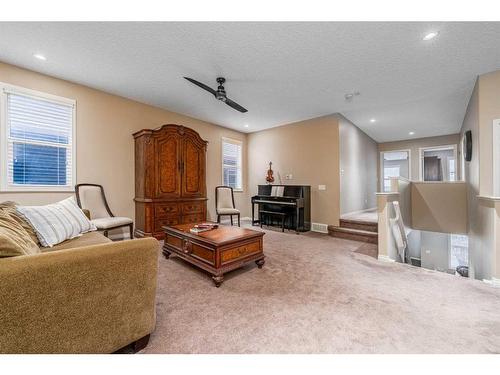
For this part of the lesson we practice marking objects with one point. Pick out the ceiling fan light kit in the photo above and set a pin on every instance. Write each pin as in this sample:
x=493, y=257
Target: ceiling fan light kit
x=219, y=94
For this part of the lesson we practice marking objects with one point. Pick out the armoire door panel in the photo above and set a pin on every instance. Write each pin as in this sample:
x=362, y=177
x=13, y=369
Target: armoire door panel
x=193, y=174
x=168, y=161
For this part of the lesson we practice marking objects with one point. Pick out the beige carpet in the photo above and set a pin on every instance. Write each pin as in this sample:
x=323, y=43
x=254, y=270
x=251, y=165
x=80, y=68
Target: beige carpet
x=315, y=294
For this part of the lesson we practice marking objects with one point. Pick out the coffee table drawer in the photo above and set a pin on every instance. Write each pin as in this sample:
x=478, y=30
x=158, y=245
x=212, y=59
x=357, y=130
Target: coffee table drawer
x=242, y=251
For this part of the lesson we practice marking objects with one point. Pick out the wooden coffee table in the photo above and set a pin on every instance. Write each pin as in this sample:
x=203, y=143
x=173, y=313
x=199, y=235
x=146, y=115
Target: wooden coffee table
x=217, y=251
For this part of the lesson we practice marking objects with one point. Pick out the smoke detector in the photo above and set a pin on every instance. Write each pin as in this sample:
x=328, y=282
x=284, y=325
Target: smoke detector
x=350, y=96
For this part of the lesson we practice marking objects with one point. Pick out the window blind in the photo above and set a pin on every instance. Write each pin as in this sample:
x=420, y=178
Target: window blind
x=231, y=164
x=39, y=141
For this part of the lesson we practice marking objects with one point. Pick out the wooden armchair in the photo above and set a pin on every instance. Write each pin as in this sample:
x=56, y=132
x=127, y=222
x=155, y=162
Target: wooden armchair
x=224, y=203
x=91, y=197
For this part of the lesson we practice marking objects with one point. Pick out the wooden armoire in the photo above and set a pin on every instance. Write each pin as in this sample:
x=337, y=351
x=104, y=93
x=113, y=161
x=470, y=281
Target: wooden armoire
x=170, y=179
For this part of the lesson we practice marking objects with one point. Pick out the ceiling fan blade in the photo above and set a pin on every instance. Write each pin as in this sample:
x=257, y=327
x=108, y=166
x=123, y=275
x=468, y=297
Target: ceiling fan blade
x=235, y=105
x=202, y=85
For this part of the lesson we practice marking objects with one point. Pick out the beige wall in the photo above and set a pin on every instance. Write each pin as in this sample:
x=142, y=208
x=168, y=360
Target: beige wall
x=483, y=108
x=105, y=151
x=489, y=110
x=414, y=145
x=309, y=150
x=439, y=207
x=358, y=168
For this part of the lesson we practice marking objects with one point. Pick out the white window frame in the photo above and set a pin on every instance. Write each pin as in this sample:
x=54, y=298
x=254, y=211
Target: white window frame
x=239, y=143
x=381, y=162
x=4, y=185
x=421, y=151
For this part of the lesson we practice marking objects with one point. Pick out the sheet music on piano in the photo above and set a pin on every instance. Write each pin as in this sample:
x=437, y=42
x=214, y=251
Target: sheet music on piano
x=277, y=191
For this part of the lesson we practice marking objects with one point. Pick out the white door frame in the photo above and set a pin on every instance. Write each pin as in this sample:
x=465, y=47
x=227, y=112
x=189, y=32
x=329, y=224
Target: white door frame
x=496, y=157
x=421, y=151
x=381, y=162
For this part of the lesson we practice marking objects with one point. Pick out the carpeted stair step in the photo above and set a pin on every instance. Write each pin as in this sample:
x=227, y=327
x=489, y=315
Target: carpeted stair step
x=353, y=234
x=359, y=224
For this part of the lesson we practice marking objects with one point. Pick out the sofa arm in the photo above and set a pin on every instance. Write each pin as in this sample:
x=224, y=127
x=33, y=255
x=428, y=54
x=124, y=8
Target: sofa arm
x=93, y=299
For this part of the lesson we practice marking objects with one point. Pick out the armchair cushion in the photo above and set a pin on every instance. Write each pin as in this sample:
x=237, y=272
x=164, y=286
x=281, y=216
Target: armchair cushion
x=110, y=222
x=224, y=198
x=227, y=211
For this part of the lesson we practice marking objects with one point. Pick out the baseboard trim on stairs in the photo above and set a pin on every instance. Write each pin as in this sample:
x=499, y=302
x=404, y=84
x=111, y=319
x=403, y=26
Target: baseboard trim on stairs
x=385, y=258
x=353, y=234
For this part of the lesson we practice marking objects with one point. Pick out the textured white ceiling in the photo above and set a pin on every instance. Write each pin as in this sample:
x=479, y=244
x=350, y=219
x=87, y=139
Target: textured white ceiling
x=281, y=72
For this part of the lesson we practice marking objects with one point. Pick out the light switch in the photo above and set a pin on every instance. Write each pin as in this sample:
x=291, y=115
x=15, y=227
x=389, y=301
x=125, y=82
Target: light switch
x=321, y=187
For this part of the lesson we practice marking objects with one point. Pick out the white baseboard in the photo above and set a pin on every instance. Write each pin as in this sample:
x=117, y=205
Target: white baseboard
x=246, y=218
x=493, y=282
x=385, y=258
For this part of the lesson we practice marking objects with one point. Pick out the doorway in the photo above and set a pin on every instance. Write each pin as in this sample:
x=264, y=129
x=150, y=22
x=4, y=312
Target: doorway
x=438, y=163
x=393, y=164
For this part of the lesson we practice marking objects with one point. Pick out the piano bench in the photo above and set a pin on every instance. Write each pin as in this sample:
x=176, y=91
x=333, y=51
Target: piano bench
x=282, y=215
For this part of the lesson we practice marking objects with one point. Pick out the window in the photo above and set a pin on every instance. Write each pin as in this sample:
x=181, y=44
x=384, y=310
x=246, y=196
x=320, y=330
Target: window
x=231, y=164
x=37, y=143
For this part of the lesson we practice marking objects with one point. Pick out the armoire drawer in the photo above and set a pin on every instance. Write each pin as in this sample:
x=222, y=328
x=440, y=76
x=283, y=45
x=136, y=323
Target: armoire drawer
x=167, y=221
x=193, y=218
x=192, y=207
x=164, y=210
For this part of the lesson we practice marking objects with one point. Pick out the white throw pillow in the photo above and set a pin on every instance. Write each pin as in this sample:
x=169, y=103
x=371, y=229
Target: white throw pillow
x=57, y=222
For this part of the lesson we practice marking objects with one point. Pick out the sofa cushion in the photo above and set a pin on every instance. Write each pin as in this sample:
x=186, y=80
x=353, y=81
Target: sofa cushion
x=14, y=240
x=10, y=208
x=57, y=222
x=87, y=239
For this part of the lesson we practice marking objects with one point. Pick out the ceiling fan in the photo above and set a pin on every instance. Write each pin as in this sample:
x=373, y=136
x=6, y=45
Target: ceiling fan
x=220, y=93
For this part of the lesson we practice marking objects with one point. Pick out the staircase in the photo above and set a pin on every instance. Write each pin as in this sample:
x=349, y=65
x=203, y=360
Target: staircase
x=355, y=230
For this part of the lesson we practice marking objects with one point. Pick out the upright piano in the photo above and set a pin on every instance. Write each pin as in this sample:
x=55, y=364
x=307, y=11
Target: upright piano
x=294, y=200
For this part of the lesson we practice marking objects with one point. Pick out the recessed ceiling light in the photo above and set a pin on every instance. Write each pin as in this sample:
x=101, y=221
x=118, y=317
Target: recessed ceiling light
x=39, y=56
x=246, y=125
x=431, y=35
x=373, y=120
x=411, y=133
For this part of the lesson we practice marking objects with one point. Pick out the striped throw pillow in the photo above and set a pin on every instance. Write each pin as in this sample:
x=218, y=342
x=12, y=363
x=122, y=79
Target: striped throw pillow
x=57, y=222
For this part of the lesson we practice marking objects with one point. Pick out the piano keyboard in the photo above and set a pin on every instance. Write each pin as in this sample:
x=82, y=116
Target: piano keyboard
x=275, y=202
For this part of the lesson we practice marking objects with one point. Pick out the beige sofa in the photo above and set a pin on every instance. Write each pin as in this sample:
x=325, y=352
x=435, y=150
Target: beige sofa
x=85, y=295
